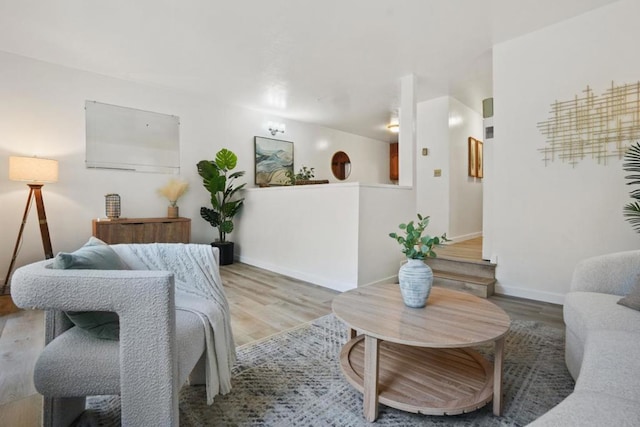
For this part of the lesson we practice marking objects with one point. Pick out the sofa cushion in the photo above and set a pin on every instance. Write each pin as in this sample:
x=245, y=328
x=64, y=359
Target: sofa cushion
x=633, y=299
x=586, y=408
x=590, y=311
x=573, y=352
x=611, y=364
x=77, y=364
x=94, y=255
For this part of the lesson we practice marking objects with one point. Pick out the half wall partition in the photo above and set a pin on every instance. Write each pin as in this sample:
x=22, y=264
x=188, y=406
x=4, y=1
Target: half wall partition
x=333, y=235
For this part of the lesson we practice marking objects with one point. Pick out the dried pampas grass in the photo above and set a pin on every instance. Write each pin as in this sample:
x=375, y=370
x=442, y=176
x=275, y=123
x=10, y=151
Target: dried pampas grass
x=174, y=189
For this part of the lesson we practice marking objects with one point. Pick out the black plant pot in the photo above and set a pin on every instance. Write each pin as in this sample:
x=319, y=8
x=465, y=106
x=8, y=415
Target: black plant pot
x=226, y=252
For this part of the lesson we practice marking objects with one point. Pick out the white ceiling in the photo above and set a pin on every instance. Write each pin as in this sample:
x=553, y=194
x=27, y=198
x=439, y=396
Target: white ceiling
x=336, y=63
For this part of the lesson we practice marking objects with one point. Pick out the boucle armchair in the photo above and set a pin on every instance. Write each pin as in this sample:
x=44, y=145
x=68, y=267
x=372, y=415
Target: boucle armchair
x=159, y=346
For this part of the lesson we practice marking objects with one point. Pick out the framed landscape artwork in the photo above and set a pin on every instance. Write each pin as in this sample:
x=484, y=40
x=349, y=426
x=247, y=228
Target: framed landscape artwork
x=476, y=164
x=274, y=159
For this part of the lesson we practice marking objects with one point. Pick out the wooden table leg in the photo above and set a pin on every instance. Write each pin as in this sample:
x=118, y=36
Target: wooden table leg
x=371, y=357
x=497, y=376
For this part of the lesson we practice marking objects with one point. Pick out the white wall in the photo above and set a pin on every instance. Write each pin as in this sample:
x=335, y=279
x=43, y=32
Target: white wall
x=382, y=209
x=453, y=200
x=433, y=193
x=546, y=219
x=42, y=113
x=314, y=146
x=407, y=137
x=465, y=199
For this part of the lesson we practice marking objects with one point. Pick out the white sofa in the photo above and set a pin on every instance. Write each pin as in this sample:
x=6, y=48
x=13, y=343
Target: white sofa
x=602, y=345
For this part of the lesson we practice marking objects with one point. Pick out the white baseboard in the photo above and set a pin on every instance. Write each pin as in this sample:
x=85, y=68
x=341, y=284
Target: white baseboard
x=390, y=279
x=531, y=294
x=458, y=239
x=316, y=280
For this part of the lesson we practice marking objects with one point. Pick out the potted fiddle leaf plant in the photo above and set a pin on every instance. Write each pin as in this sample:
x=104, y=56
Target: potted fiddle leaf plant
x=218, y=179
x=416, y=277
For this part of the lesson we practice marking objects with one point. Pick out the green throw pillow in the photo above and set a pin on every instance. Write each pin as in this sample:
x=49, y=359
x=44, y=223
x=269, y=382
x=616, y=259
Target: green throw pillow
x=633, y=299
x=101, y=324
x=95, y=255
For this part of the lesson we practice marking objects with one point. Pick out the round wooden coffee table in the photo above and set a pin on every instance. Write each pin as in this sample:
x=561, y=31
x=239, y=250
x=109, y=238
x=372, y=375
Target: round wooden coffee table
x=418, y=359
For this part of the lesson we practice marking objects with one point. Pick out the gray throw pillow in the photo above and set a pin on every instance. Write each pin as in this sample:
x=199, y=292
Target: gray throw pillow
x=633, y=299
x=94, y=255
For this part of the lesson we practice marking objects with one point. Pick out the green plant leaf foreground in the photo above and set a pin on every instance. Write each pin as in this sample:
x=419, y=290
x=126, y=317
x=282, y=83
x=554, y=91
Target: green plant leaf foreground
x=226, y=159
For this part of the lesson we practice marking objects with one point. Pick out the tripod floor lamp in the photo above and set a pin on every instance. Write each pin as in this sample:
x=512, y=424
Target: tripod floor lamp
x=35, y=171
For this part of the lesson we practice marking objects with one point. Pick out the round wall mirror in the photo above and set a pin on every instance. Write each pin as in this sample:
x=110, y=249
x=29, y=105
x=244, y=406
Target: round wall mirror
x=341, y=165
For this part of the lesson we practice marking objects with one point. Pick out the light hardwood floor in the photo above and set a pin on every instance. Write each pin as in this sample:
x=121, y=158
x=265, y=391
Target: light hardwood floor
x=262, y=304
x=469, y=249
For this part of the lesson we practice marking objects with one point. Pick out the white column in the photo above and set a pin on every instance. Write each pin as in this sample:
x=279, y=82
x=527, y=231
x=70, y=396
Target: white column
x=488, y=186
x=407, y=137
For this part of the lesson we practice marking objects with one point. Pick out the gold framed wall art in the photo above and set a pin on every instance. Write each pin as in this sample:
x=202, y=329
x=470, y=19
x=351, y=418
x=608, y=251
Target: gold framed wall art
x=476, y=163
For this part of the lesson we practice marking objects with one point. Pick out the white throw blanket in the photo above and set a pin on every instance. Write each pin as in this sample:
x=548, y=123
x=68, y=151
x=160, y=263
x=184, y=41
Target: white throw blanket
x=198, y=290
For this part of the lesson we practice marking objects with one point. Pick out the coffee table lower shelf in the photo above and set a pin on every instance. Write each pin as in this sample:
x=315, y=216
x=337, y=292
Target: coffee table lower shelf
x=423, y=380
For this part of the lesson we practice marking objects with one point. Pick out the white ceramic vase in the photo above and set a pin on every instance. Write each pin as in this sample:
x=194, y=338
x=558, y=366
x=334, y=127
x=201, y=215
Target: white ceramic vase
x=416, y=280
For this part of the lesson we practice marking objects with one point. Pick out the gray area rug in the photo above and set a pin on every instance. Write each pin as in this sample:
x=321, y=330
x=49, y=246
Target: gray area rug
x=294, y=379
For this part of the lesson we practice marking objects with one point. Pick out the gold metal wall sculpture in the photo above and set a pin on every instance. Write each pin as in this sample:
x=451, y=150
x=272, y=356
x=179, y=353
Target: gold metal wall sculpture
x=593, y=126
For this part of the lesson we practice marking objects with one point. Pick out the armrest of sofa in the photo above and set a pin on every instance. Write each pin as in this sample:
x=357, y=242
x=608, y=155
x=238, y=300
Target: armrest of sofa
x=615, y=273
x=144, y=301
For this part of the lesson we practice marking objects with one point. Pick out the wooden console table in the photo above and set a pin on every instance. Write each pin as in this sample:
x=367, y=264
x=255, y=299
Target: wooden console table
x=142, y=230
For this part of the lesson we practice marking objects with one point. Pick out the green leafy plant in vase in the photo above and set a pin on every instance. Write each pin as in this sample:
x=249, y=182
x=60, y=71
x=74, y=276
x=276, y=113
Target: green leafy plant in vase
x=305, y=174
x=218, y=179
x=416, y=277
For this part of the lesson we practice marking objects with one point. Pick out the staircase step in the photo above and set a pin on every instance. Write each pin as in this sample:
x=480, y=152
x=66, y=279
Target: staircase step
x=479, y=286
x=478, y=268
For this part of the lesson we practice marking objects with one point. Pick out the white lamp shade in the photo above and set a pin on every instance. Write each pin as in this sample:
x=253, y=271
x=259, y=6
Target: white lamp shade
x=33, y=169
